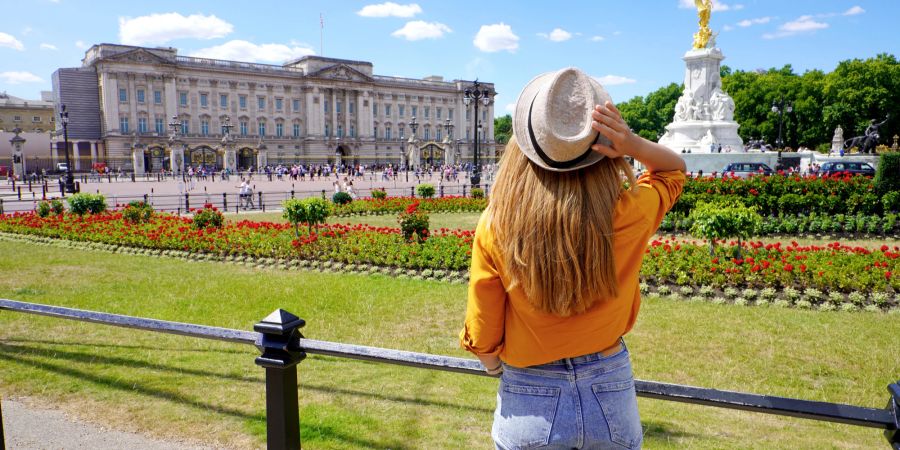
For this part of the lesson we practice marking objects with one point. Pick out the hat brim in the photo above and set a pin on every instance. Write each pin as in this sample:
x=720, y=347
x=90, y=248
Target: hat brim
x=520, y=127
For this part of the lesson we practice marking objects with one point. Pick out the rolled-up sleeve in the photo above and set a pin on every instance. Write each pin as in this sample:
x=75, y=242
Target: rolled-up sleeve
x=486, y=308
x=657, y=192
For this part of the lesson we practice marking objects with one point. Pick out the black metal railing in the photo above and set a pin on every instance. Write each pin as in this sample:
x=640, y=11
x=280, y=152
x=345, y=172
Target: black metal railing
x=282, y=346
x=24, y=199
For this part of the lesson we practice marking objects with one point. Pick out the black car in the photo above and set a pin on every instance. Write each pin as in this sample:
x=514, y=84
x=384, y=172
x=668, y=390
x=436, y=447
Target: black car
x=851, y=167
x=746, y=169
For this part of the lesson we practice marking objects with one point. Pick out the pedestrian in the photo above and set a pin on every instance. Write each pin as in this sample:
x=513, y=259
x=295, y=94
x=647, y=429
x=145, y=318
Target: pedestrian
x=555, y=263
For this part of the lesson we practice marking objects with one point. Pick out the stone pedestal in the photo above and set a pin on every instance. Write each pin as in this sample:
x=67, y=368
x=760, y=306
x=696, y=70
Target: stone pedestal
x=137, y=160
x=837, y=142
x=704, y=115
x=176, y=160
x=449, y=157
x=18, y=158
x=231, y=160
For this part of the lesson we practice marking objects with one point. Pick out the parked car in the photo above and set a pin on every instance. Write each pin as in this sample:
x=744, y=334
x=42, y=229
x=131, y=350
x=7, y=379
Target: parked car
x=851, y=167
x=62, y=168
x=746, y=169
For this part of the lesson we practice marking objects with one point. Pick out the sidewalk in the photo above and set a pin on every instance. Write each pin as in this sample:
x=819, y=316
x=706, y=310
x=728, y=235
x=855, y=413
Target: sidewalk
x=26, y=428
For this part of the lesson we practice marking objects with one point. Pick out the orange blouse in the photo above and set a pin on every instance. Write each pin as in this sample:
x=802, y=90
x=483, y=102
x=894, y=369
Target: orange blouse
x=503, y=323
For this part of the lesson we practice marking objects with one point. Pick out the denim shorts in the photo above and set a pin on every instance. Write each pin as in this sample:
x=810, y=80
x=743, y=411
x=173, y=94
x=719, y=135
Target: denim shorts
x=586, y=402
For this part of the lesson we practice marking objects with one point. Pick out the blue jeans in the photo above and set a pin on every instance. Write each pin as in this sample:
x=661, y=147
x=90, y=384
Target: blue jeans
x=586, y=402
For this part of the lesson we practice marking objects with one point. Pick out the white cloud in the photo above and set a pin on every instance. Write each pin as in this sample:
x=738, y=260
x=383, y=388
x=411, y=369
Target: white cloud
x=20, y=77
x=854, y=11
x=80, y=45
x=612, y=80
x=597, y=38
x=718, y=5
x=162, y=28
x=8, y=40
x=418, y=30
x=727, y=28
x=750, y=22
x=803, y=24
x=390, y=9
x=557, y=35
x=496, y=37
x=239, y=50
x=27, y=30
x=510, y=107
x=46, y=46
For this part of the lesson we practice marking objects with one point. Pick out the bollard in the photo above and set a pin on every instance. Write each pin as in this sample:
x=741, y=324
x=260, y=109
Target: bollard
x=893, y=436
x=1, y=206
x=412, y=191
x=77, y=187
x=132, y=178
x=279, y=344
x=19, y=190
x=464, y=190
x=262, y=205
x=323, y=194
x=43, y=192
x=292, y=193
x=441, y=190
x=145, y=200
x=187, y=202
x=224, y=202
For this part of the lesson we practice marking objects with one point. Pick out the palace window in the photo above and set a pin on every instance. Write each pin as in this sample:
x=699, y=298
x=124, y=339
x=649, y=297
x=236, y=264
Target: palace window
x=185, y=126
x=402, y=131
x=279, y=104
x=437, y=113
x=279, y=129
x=140, y=96
x=415, y=110
x=204, y=127
x=401, y=109
x=350, y=107
x=36, y=119
x=427, y=111
x=223, y=100
x=261, y=102
x=182, y=98
x=387, y=133
x=160, y=126
x=123, y=95
x=427, y=132
x=296, y=130
x=245, y=128
x=262, y=128
x=157, y=97
x=450, y=113
x=437, y=133
x=337, y=107
x=387, y=110
x=242, y=101
x=296, y=105
x=204, y=100
x=340, y=131
x=123, y=125
x=352, y=131
x=374, y=109
x=142, y=124
x=327, y=130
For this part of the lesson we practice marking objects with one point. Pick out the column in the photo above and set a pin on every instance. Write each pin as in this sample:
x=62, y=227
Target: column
x=93, y=153
x=346, y=112
x=109, y=94
x=333, y=119
x=76, y=152
x=171, y=99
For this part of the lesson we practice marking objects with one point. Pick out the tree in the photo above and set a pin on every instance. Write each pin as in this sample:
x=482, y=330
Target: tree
x=502, y=129
x=724, y=220
x=649, y=116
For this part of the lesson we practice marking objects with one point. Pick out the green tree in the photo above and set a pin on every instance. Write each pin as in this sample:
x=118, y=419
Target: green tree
x=502, y=129
x=648, y=116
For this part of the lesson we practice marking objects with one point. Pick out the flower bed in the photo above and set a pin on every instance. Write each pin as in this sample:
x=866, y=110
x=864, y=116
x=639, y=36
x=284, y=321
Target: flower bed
x=832, y=274
x=394, y=205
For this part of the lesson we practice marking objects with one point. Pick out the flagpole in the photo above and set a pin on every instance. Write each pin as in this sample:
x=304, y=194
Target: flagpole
x=321, y=34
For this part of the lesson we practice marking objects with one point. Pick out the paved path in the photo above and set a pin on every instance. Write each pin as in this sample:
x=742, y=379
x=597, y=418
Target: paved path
x=26, y=427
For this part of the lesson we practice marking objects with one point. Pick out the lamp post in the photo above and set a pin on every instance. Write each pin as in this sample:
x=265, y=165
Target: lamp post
x=475, y=95
x=70, y=181
x=413, y=126
x=780, y=107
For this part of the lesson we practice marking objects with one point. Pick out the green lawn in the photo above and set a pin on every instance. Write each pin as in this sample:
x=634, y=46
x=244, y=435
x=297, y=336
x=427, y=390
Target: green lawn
x=178, y=387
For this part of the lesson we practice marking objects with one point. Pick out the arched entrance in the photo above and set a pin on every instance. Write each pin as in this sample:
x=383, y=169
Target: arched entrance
x=155, y=159
x=246, y=158
x=431, y=154
x=202, y=156
x=339, y=154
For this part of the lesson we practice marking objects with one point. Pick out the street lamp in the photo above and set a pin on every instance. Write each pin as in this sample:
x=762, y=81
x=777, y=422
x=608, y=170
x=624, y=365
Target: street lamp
x=413, y=126
x=70, y=181
x=476, y=95
x=780, y=107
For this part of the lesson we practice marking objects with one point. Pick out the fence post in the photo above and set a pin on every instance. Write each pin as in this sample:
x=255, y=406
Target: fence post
x=279, y=334
x=464, y=190
x=1, y=206
x=43, y=192
x=187, y=202
x=224, y=202
x=262, y=205
x=412, y=191
x=20, y=192
x=441, y=189
x=893, y=436
x=292, y=193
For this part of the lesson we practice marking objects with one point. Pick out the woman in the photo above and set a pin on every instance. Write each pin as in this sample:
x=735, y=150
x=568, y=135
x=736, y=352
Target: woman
x=555, y=264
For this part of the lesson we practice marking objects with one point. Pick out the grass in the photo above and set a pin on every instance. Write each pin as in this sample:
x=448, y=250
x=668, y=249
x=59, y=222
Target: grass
x=178, y=387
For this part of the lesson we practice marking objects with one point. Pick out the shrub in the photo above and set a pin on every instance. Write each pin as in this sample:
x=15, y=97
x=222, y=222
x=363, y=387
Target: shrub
x=208, y=217
x=477, y=193
x=137, y=212
x=43, y=209
x=379, y=194
x=890, y=201
x=724, y=220
x=414, y=224
x=311, y=211
x=425, y=190
x=87, y=203
x=57, y=206
x=341, y=198
x=887, y=177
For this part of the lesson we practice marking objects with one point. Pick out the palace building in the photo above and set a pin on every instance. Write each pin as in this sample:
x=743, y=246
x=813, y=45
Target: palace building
x=148, y=109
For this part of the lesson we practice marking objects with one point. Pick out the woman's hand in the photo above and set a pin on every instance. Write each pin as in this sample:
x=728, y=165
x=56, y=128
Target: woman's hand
x=609, y=122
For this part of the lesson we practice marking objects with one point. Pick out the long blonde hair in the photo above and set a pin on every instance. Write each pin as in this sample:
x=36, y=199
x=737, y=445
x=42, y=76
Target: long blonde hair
x=554, y=230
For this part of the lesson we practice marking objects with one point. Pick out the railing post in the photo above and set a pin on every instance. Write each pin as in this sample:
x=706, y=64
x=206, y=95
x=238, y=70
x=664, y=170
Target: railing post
x=893, y=436
x=187, y=202
x=278, y=342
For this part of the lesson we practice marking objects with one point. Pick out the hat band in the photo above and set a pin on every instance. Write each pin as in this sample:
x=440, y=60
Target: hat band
x=540, y=152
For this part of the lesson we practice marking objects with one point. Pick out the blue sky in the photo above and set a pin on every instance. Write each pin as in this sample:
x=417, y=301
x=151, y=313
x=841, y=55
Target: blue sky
x=634, y=47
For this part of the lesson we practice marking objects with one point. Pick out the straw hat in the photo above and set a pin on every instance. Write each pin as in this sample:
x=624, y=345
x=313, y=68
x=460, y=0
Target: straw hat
x=552, y=121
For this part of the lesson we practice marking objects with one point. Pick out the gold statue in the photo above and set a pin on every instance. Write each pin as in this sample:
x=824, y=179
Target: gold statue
x=701, y=37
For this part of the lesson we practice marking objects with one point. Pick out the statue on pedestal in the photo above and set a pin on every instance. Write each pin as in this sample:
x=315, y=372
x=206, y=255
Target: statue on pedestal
x=701, y=37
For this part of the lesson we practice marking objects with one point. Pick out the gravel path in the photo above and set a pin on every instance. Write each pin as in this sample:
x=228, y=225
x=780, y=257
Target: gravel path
x=26, y=427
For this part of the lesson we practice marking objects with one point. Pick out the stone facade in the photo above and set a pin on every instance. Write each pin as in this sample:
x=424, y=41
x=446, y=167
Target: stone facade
x=310, y=110
x=28, y=115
